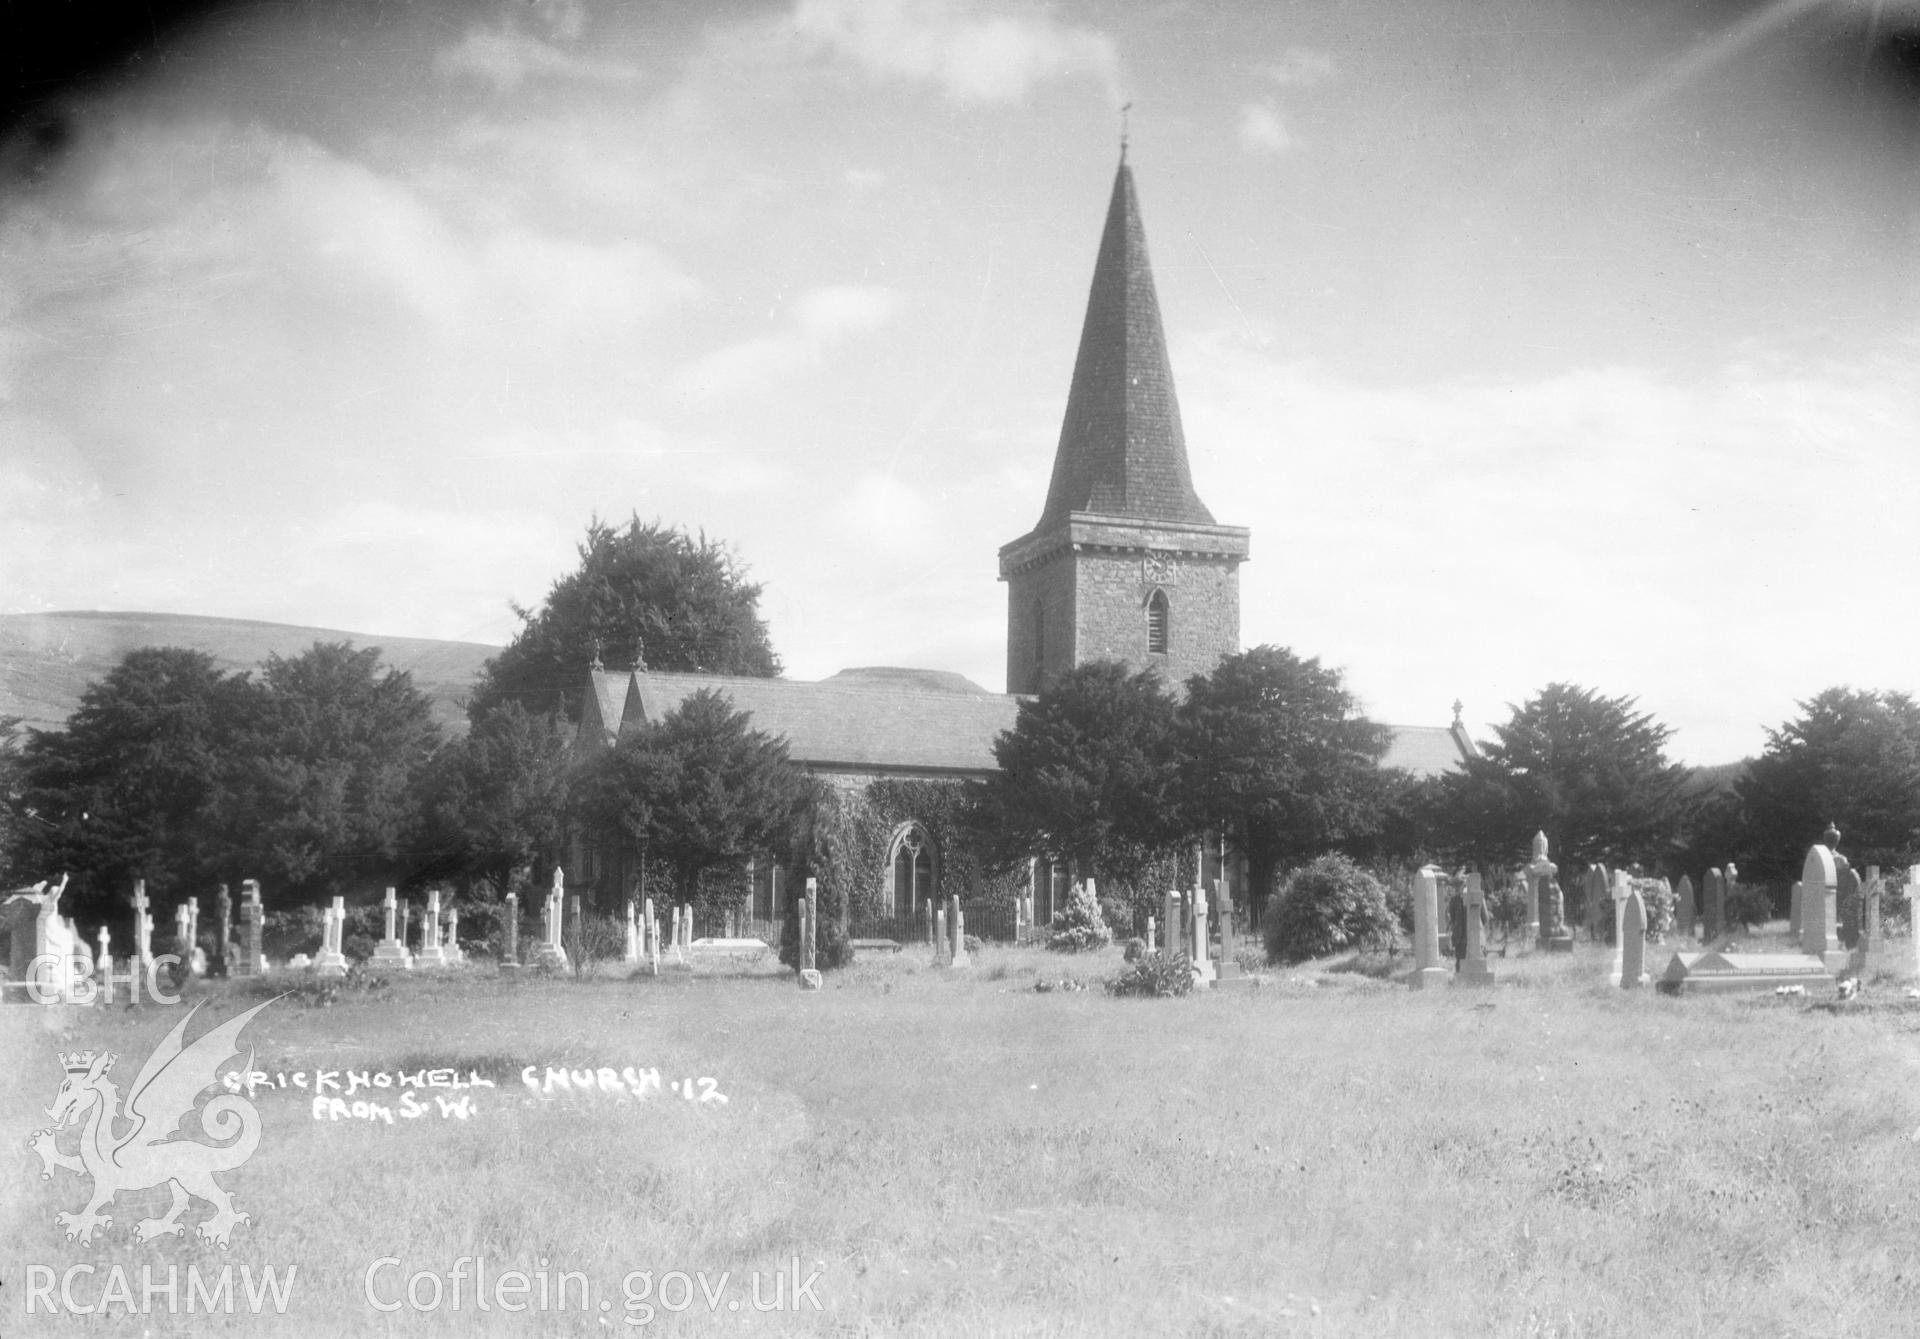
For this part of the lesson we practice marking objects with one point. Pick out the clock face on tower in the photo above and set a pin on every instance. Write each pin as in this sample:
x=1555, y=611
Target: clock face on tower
x=1157, y=568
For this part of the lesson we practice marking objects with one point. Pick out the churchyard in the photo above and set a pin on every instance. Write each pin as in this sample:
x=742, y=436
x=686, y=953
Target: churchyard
x=943, y=1150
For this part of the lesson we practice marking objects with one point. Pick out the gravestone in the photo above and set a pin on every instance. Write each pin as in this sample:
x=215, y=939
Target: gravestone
x=1427, y=971
x=1633, y=940
x=253, y=916
x=942, y=940
x=1712, y=905
x=1150, y=941
x=510, y=933
x=1474, y=970
x=193, y=936
x=957, y=924
x=390, y=954
x=1227, y=971
x=182, y=937
x=1913, y=915
x=632, y=953
x=1622, y=889
x=142, y=927
x=1684, y=913
x=809, y=928
x=432, y=952
x=1819, y=885
x=1596, y=901
x=1203, y=974
x=1718, y=972
x=455, y=954
x=551, y=952
x=1846, y=901
x=223, y=913
x=1171, y=922
x=1871, y=955
x=1547, y=900
x=332, y=961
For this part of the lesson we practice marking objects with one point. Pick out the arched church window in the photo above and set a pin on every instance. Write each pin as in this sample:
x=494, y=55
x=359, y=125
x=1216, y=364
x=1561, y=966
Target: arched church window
x=912, y=871
x=1157, y=623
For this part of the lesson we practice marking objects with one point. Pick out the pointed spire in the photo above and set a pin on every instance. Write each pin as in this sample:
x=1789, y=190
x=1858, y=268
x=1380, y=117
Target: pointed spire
x=1122, y=451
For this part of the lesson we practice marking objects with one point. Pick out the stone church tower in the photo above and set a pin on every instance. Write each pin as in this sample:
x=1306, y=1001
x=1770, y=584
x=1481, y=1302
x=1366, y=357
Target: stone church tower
x=1125, y=563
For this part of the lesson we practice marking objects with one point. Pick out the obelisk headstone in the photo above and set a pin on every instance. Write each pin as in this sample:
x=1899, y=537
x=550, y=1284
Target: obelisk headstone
x=1427, y=971
x=1228, y=969
x=809, y=928
x=223, y=950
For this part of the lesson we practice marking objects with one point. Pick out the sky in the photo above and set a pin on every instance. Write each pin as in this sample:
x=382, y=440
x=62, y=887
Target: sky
x=1535, y=341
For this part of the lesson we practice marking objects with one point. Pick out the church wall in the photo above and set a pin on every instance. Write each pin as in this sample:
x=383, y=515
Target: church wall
x=1203, y=600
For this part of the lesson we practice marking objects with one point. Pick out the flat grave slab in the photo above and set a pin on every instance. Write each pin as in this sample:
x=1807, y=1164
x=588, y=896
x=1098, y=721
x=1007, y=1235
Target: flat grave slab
x=1714, y=971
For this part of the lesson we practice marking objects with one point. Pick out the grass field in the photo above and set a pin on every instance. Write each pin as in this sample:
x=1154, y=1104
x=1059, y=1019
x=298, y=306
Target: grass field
x=956, y=1152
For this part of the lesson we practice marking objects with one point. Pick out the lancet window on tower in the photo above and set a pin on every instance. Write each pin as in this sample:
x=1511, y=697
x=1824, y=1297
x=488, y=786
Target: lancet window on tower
x=1157, y=623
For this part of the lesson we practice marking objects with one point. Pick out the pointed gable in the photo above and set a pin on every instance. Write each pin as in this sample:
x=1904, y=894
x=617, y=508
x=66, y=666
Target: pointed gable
x=1122, y=451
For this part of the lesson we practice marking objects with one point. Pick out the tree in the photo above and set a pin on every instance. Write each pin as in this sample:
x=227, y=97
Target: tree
x=328, y=789
x=129, y=789
x=1088, y=774
x=643, y=595
x=495, y=799
x=699, y=790
x=1852, y=758
x=1276, y=754
x=1589, y=771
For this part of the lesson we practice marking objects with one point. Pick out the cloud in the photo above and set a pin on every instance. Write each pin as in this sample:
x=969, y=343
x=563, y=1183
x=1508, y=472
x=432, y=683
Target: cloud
x=1262, y=130
x=1608, y=525
x=1302, y=67
x=819, y=319
x=984, y=57
x=504, y=56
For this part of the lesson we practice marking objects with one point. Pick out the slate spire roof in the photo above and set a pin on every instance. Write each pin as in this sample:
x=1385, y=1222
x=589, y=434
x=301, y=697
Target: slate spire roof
x=1122, y=452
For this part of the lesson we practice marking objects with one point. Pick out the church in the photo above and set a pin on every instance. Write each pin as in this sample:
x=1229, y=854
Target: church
x=1125, y=563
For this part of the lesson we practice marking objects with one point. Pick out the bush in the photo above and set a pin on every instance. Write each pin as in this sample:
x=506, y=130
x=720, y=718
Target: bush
x=1136, y=949
x=831, y=948
x=1326, y=906
x=1748, y=905
x=1080, y=926
x=1154, y=975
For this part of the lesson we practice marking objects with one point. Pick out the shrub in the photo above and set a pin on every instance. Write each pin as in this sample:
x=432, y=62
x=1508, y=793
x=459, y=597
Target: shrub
x=1748, y=905
x=1080, y=926
x=971, y=943
x=1328, y=905
x=1155, y=975
x=1136, y=949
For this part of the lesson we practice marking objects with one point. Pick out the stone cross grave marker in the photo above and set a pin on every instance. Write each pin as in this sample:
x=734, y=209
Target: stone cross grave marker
x=142, y=926
x=1474, y=970
x=332, y=961
x=432, y=952
x=1203, y=973
x=390, y=953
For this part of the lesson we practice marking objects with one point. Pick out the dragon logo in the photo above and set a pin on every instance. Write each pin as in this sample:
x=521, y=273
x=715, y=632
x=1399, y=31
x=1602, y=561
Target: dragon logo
x=163, y=1094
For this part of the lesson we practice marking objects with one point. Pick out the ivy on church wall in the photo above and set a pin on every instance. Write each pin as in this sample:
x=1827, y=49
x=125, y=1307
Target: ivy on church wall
x=855, y=824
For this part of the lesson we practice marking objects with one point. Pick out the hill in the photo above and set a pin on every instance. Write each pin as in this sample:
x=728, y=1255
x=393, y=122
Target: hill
x=47, y=660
